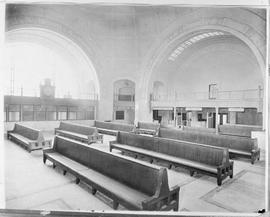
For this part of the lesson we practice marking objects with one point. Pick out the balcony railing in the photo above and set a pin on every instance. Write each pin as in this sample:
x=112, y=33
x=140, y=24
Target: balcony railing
x=36, y=93
x=250, y=94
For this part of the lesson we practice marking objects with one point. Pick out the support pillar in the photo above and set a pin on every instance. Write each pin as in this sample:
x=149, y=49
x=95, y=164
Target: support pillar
x=217, y=120
x=143, y=111
x=232, y=118
x=174, y=115
x=207, y=121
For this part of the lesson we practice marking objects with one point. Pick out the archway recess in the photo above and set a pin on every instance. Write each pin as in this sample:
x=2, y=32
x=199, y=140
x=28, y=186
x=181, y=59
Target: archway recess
x=254, y=38
x=159, y=52
x=84, y=74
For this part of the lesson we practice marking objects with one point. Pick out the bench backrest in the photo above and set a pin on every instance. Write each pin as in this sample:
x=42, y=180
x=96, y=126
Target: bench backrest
x=76, y=128
x=114, y=126
x=148, y=125
x=238, y=130
x=199, y=129
x=231, y=142
x=28, y=132
x=139, y=176
x=210, y=155
x=192, y=151
x=137, y=140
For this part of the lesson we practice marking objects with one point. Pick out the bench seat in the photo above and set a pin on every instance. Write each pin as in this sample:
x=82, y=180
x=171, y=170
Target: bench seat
x=147, y=128
x=168, y=158
x=79, y=132
x=145, y=131
x=100, y=181
x=137, y=186
x=112, y=128
x=72, y=134
x=29, y=138
x=107, y=131
x=20, y=137
x=114, y=188
x=65, y=161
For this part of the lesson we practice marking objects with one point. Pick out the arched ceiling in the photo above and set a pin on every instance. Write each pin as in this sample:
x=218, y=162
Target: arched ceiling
x=125, y=41
x=206, y=57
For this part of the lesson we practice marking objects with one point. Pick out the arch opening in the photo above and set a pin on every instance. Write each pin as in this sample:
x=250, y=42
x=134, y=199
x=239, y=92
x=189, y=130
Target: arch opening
x=190, y=64
x=67, y=65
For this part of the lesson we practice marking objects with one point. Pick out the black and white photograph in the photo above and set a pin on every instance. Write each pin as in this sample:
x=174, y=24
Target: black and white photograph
x=126, y=107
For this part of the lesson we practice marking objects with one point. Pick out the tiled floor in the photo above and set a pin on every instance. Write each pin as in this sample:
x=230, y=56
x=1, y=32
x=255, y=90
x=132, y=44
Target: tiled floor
x=32, y=185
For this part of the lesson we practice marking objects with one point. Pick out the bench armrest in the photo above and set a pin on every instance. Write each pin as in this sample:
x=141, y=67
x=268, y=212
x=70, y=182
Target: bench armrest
x=48, y=141
x=55, y=129
x=8, y=132
x=48, y=150
x=111, y=143
x=165, y=202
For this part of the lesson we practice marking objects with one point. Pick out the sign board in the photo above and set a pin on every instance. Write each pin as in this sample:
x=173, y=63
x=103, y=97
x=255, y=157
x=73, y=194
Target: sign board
x=236, y=109
x=193, y=109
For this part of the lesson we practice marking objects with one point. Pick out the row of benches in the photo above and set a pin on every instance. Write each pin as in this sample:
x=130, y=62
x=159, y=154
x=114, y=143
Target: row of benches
x=137, y=186
x=237, y=145
x=33, y=139
x=210, y=160
x=100, y=169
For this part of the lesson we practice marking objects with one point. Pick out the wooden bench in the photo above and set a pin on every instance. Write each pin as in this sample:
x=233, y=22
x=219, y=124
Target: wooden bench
x=147, y=128
x=238, y=129
x=199, y=129
x=137, y=186
x=112, y=128
x=210, y=160
x=79, y=132
x=29, y=138
x=238, y=146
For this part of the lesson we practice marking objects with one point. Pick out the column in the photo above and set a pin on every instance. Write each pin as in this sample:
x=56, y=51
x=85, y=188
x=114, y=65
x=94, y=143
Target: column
x=105, y=107
x=143, y=111
x=232, y=118
x=207, y=121
x=217, y=120
x=174, y=115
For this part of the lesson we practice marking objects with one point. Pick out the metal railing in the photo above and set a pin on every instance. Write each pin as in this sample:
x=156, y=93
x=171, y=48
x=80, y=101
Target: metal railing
x=36, y=93
x=249, y=94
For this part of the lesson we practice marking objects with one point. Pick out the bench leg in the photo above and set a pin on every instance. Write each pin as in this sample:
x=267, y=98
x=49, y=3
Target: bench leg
x=44, y=159
x=54, y=166
x=191, y=173
x=64, y=172
x=253, y=158
x=28, y=149
x=176, y=207
x=115, y=204
x=219, y=181
x=170, y=166
x=77, y=181
x=94, y=191
x=231, y=171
